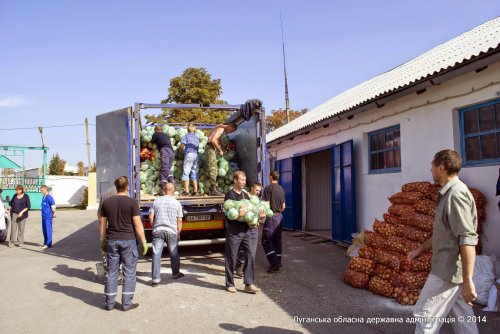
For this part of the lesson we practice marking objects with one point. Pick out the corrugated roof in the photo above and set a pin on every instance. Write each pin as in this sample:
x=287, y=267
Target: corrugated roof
x=443, y=57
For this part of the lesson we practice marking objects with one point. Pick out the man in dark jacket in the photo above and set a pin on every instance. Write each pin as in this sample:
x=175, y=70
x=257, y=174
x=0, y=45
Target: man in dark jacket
x=271, y=234
x=163, y=145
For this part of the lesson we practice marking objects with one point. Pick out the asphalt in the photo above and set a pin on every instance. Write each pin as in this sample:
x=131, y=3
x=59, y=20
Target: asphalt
x=58, y=291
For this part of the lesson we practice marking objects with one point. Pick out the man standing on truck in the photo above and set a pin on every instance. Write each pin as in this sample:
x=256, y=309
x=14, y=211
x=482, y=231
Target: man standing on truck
x=164, y=146
x=449, y=289
x=119, y=225
x=166, y=216
x=212, y=149
x=255, y=190
x=190, y=144
x=238, y=233
x=271, y=234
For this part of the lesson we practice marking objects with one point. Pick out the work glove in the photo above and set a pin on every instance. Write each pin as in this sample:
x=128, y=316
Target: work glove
x=103, y=245
x=144, y=248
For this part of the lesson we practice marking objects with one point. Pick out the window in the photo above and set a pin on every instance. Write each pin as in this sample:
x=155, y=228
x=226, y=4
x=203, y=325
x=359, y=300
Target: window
x=385, y=150
x=480, y=133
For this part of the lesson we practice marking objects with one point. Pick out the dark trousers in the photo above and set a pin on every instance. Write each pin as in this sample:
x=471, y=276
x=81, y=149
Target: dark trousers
x=236, y=235
x=125, y=252
x=166, y=157
x=271, y=239
x=254, y=234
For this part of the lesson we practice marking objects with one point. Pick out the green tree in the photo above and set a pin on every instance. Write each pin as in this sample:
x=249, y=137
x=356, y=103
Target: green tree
x=80, y=168
x=194, y=85
x=56, y=165
x=277, y=118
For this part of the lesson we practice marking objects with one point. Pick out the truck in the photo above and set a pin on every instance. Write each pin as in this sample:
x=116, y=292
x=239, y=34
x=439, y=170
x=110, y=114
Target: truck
x=118, y=154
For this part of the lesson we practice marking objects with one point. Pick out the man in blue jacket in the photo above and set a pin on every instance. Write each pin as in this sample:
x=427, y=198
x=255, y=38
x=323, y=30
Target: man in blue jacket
x=48, y=213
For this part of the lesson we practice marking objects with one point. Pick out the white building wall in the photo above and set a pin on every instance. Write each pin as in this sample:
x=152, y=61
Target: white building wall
x=67, y=190
x=428, y=123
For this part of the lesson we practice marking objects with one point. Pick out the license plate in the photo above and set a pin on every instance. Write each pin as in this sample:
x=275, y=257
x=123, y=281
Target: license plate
x=198, y=218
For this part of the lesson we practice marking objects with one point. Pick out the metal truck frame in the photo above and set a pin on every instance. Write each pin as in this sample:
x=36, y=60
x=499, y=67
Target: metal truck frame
x=118, y=153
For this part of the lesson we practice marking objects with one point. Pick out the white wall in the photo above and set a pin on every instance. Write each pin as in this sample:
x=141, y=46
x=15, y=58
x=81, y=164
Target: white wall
x=67, y=190
x=428, y=123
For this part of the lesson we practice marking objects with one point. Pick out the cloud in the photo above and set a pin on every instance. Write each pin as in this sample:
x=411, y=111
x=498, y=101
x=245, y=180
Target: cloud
x=12, y=101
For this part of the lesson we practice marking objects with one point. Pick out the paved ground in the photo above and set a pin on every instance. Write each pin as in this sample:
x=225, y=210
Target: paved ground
x=58, y=291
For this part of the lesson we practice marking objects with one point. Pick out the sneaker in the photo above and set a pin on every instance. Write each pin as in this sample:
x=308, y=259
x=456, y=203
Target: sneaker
x=11, y=246
x=44, y=247
x=196, y=194
x=155, y=284
x=231, y=289
x=179, y=275
x=185, y=194
x=251, y=288
x=131, y=307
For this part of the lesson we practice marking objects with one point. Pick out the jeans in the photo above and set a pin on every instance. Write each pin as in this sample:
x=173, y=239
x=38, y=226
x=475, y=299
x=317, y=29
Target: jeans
x=125, y=252
x=271, y=239
x=159, y=238
x=190, y=167
x=236, y=235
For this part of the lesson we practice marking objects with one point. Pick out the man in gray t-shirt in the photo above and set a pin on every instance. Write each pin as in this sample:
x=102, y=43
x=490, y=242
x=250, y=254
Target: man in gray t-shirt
x=166, y=216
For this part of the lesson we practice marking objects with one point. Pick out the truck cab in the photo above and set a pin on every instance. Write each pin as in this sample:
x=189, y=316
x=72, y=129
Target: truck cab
x=118, y=153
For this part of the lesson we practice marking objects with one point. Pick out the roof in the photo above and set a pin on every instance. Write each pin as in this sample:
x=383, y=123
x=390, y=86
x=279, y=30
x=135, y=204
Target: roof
x=444, y=57
x=7, y=163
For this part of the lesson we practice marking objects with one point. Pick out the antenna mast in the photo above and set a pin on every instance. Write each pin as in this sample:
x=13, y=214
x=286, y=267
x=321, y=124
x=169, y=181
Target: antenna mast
x=287, y=101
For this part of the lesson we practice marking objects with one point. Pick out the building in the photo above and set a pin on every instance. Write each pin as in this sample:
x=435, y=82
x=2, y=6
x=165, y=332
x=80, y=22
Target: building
x=343, y=159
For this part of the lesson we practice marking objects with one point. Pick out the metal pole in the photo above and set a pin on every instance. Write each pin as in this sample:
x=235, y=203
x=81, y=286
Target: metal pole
x=88, y=144
x=287, y=102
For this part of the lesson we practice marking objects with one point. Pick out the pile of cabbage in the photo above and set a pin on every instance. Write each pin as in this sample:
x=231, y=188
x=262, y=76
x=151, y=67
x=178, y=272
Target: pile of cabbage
x=252, y=207
x=150, y=169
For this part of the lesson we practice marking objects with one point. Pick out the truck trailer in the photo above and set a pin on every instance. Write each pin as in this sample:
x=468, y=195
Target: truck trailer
x=118, y=148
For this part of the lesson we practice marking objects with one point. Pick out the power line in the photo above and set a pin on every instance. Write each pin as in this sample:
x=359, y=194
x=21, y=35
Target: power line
x=45, y=127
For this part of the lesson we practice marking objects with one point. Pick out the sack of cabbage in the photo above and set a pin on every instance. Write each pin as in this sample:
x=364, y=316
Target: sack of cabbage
x=247, y=210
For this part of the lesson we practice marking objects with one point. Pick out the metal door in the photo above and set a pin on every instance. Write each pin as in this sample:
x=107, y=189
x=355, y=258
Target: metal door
x=319, y=191
x=114, y=148
x=343, y=194
x=291, y=181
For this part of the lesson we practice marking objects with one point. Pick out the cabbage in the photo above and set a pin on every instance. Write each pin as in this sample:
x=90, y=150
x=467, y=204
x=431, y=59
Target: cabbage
x=254, y=200
x=222, y=172
x=229, y=204
x=232, y=213
x=269, y=213
x=143, y=176
x=249, y=216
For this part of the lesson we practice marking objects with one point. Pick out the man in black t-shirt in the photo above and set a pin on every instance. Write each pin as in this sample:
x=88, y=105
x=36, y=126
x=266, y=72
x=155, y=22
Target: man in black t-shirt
x=271, y=234
x=163, y=145
x=239, y=233
x=119, y=224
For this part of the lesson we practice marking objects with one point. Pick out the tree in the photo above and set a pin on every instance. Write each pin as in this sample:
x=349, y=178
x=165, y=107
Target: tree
x=278, y=118
x=194, y=85
x=80, y=168
x=56, y=165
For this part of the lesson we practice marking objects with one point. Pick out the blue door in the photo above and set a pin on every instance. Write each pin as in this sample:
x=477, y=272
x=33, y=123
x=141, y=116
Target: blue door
x=343, y=195
x=291, y=181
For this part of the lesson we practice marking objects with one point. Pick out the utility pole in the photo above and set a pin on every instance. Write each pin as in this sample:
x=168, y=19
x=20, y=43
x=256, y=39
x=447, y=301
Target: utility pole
x=287, y=102
x=88, y=144
x=40, y=129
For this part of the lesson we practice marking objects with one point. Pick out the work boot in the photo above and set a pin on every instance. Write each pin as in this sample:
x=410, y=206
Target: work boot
x=215, y=192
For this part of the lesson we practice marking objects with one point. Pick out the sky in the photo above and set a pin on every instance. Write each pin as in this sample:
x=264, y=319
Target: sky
x=63, y=61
